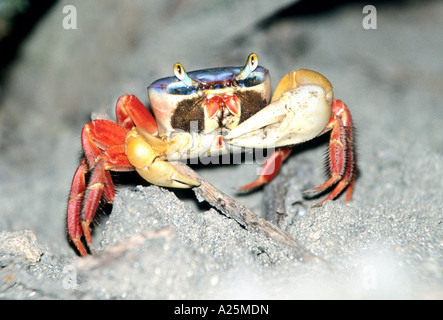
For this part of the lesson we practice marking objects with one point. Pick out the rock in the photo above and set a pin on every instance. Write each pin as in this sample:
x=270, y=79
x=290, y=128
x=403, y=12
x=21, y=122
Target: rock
x=19, y=245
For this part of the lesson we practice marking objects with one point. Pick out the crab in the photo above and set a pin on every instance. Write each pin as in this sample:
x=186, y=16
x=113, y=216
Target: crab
x=203, y=113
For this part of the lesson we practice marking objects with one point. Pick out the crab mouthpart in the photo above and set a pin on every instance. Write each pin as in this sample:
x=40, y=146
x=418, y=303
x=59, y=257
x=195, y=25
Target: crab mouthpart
x=216, y=103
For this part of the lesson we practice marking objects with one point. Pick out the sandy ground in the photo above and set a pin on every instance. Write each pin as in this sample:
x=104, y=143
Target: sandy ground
x=162, y=244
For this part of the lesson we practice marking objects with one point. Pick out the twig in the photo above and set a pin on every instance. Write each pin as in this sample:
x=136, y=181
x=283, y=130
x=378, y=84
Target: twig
x=242, y=215
x=112, y=253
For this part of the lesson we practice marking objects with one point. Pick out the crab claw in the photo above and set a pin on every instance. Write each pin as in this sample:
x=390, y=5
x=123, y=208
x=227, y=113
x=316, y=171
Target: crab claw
x=299, y=111
x=147, y=153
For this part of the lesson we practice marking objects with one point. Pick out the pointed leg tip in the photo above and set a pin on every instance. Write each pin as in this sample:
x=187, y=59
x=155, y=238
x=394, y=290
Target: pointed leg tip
x=310, y=192
x=87, y=234
x=252, y=186
x=317, y=205
x=79, y=245
x=243, y=190
x=91, y=249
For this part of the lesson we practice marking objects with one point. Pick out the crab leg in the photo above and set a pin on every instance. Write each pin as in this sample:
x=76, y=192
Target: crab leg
x=269, y=169
x=129, y=111
x=103, y=143
x=74, y=206
x=75, y=224
x=93, y=194
x=113, y=159
x=96, y=135
x=342, y=163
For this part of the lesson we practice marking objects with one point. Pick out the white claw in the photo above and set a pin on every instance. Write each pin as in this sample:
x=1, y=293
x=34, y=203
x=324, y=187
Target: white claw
x=301, y=114
x=272, y=114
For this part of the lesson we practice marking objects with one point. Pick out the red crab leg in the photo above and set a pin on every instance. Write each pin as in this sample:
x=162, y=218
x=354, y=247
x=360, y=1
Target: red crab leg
x=341, y=153
x=93, y=195
x=270, y=168
x=76, y=197
x=97, y=135
x=74, y=206
x=103, y=145
x=129, y=111
x=113, y=159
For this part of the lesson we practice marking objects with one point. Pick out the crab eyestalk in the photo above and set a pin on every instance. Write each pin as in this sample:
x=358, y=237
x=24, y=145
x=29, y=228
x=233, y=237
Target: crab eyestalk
x=250, y=66
x=180, y=74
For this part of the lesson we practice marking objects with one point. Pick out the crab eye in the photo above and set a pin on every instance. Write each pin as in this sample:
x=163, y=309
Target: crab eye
x=179, y=72
x=252, y=61
x=181, y=75
x=250, y=66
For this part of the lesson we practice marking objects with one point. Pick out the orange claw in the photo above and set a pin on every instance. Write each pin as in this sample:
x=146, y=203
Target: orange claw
x=148, y=155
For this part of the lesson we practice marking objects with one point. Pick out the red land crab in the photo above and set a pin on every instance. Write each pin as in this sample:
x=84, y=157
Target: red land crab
x=209, y=112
